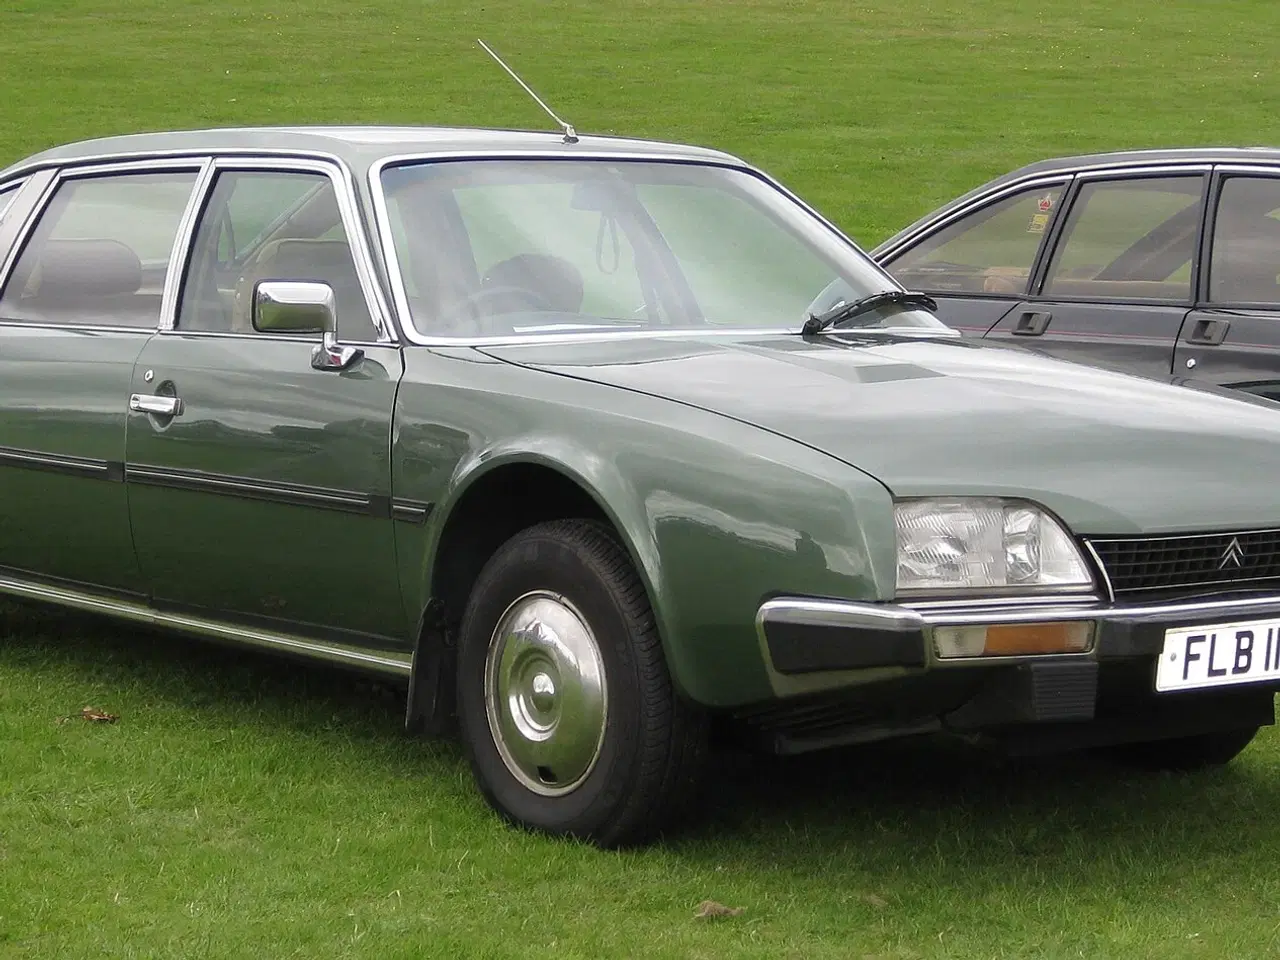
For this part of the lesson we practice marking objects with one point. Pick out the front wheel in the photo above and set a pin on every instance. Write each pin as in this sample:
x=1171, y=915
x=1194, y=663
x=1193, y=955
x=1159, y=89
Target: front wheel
x=1184, y=753
x=566, y=707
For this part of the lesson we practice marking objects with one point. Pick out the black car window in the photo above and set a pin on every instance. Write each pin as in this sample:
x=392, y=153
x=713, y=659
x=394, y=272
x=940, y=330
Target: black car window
x=1245, y=263
x=990, y=250
x=273, y=225
x=1128, y=240
x=99, y=254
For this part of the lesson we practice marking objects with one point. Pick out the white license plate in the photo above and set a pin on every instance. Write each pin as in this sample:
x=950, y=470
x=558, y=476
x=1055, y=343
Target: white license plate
x=1219, y=654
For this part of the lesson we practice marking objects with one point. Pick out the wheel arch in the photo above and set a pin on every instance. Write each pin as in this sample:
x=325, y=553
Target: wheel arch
x=490, y=501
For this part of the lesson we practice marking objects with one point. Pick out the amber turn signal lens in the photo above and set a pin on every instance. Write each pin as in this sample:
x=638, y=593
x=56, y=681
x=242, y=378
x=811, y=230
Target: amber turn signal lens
x=1024, y=638
x=1014, y=639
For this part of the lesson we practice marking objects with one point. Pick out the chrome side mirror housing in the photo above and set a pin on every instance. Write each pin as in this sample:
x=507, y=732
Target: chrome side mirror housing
x=294, y=306
x=303, y=306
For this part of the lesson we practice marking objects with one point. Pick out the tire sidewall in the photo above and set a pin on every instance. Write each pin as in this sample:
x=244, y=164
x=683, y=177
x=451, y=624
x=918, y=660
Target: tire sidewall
x=524, y=565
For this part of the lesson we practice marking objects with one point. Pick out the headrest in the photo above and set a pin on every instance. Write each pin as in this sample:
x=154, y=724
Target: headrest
x=556, y=281
x=300, y=259
x=87, y=268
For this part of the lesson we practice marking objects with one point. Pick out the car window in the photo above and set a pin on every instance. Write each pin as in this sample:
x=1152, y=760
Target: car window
x=99, y=253
x=1128, y=239
x=991, y=250
x=1245, y=264
x=274, y=225
x=6, y=197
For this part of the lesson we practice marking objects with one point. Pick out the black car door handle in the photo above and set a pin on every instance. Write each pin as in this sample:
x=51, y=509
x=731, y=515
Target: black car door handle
x=1032, y=324
x=1209, y=333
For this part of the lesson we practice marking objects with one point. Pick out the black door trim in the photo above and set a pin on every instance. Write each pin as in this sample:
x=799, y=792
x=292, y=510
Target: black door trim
x=59, y=463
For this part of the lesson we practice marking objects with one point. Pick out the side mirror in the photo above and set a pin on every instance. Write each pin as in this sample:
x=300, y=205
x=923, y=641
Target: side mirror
x=303, y=306
x=292, y=306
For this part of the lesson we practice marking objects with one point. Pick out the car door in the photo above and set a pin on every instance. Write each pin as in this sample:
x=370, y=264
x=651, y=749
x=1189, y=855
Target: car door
x=978, y=264
x=82, y=294
x=1119, y=280
x=1232, y=338
x=259, y=484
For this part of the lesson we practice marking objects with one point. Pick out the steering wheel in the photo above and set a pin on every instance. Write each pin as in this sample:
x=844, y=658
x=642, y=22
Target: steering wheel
x=485, y=308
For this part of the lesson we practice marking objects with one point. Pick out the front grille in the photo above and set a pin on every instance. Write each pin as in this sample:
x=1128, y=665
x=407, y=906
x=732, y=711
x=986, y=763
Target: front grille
x=1183, y=565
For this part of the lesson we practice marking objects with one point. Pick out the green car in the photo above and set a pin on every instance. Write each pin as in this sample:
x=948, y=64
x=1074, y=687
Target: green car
x=603, y=447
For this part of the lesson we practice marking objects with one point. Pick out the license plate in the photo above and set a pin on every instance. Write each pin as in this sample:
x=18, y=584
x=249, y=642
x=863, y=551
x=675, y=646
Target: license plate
x=1219, y=654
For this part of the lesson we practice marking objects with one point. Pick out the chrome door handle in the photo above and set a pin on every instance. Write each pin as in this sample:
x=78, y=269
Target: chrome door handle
x=160, y=406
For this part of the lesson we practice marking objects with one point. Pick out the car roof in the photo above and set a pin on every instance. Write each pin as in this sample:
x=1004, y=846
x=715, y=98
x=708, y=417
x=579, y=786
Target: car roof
x=1092, y=161
x=360, y=146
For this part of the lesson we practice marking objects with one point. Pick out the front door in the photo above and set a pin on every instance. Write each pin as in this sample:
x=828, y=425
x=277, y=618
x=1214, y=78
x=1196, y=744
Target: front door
x=80, y=302
x=260, y=485
x=1120, y=280
x=1233, y=340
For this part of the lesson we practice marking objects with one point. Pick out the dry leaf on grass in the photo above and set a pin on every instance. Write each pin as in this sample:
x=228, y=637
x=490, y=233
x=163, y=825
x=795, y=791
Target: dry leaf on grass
x=709, y=909
x=93, y=715
x=875, y=901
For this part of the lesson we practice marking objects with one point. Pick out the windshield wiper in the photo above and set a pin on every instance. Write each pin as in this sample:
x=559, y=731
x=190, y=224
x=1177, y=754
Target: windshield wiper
x=844, y=312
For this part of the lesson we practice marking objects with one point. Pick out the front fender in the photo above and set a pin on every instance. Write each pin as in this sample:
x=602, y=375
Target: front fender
x=717, y=515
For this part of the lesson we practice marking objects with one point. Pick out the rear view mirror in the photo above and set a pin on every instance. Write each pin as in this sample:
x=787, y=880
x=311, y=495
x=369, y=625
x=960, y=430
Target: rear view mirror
x=294, y=306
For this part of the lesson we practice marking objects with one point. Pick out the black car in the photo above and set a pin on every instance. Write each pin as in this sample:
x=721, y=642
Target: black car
x=1163, y=263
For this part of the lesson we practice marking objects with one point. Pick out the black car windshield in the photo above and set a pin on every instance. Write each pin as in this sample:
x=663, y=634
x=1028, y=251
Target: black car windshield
x=526, y=247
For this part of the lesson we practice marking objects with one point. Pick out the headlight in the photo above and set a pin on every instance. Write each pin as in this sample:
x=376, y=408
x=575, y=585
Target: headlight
x=972, y=543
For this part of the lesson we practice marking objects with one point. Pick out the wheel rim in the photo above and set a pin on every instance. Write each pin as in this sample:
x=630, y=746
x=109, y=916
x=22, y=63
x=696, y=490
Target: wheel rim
x=545, y=693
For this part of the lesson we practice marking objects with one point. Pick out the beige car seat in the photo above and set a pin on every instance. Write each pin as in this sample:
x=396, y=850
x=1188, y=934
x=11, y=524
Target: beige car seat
x=322, y=261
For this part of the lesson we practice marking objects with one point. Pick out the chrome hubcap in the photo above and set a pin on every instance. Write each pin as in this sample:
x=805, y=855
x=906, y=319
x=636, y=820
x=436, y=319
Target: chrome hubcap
x=545, y=693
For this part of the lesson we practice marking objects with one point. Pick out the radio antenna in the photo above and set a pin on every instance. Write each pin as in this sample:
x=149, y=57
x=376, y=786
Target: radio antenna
x=570, y=135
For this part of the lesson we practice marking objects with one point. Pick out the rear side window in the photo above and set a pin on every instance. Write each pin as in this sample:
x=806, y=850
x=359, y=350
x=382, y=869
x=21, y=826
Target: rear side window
x=1129, y=239
x=99, y=254
x=990, y=250
x=1245, y=266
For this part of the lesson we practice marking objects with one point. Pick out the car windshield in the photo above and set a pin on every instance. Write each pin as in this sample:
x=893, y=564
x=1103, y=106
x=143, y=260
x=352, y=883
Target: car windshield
x=524, y=247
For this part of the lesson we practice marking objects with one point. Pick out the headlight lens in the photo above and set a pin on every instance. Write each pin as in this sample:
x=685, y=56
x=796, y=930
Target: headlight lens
x=983, y=542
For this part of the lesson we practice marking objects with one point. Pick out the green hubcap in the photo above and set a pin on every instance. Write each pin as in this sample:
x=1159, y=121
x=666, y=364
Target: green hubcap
x=545, y=693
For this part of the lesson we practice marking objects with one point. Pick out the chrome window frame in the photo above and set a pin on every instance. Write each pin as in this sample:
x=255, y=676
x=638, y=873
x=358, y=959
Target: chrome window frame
x=382, y=230
x=9, y=193
x=82, y=170
x=348, y=208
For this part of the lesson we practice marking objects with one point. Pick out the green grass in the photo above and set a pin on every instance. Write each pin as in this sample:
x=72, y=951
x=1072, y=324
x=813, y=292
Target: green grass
x=244, y=807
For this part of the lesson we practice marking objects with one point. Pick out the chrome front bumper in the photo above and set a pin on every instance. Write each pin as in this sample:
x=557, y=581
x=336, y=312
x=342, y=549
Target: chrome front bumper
x=806, y=636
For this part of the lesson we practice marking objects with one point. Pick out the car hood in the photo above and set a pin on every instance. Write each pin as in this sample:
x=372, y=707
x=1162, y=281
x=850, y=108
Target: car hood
x=1107, y=452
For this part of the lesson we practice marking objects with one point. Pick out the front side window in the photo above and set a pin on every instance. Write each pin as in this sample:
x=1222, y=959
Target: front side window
x=1245, y=265
x=502, y=248
x=991, y=250
x=99, y=253
x=1129, y=239
x=269, y=226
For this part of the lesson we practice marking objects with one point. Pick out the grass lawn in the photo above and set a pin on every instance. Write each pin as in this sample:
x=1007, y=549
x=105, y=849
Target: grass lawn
x=246, y=807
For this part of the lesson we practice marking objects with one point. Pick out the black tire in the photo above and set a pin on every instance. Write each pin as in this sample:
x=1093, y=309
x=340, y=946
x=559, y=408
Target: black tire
x=1195, y=752
x=653, y=745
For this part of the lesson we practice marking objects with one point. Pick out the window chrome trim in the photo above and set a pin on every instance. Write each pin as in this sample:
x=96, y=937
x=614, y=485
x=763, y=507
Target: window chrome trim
x=348, y=209
x=179, y=256
x=192, y=164
x=1098, y=171
x=382, y=231
x=12, y=189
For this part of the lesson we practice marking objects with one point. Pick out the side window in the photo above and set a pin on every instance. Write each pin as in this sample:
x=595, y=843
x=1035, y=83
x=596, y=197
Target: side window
x=100, y=252
x=1245, y=264
x=6, y=197
x=1129, y=239
x=269, y=226
x=990, y=250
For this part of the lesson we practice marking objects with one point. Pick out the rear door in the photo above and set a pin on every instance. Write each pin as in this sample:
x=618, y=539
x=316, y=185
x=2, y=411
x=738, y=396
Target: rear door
x=263, y=495
x=82, y=294
x=1120, y=278
x=1232, y=338
x=978, y=264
